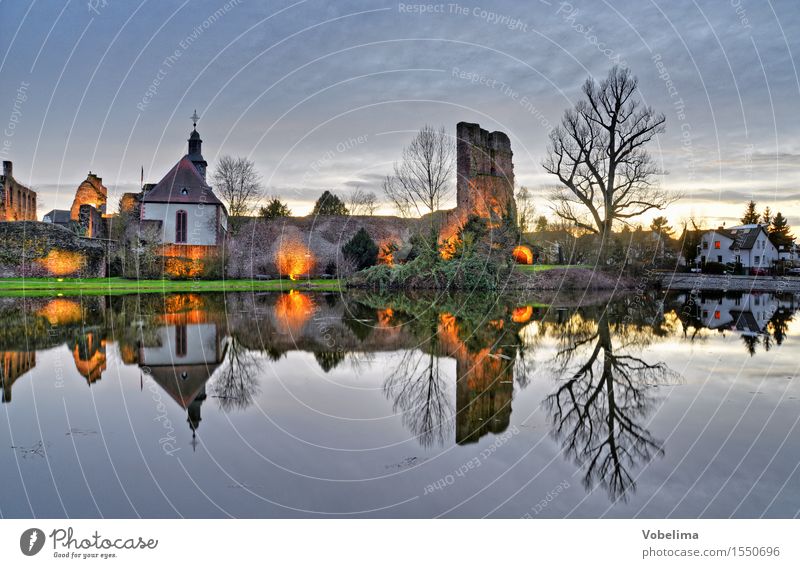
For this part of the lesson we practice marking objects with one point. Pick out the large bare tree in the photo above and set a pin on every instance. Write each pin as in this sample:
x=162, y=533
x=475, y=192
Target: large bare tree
x=239, y=184
x=362, y=202
x=598, y=153
x=422, y=180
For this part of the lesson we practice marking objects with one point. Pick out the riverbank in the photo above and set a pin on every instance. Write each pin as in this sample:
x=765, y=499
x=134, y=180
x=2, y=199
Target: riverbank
x=730, y=283
x=32, y=287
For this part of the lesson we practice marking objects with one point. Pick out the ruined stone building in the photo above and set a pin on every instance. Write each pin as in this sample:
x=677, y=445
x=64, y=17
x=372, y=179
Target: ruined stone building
x=87, y=215
x=17, y=202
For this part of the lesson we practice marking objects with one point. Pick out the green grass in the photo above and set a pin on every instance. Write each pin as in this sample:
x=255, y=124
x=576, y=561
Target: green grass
x=541, y=267
x=116, y=286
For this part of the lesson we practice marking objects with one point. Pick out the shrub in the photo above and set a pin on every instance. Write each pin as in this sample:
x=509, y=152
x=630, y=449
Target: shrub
x=714, y=268
x=361, y=249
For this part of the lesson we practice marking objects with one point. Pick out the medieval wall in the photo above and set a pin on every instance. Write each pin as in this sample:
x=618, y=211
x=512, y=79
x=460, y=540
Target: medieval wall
x=34, y=249
x=90, y=192
x=17, y=202
x=305, y=245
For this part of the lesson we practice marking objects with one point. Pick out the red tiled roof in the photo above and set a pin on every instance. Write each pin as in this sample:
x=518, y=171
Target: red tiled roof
x=182, y=184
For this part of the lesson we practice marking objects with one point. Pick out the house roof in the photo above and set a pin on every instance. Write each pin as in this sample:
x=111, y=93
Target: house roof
x=182, y=184
x=745, y=236
x=58, y=216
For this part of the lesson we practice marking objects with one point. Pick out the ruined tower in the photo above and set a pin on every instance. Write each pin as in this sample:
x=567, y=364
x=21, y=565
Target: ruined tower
x=485, y=170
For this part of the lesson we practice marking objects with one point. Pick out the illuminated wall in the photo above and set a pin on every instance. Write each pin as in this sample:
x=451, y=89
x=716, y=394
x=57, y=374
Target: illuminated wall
x=294, y=259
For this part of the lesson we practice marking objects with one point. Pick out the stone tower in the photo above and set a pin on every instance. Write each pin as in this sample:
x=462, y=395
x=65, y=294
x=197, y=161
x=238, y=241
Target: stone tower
x=485, y=170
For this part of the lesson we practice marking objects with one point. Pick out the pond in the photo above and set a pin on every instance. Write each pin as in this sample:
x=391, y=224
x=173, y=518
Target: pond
x=301, y=404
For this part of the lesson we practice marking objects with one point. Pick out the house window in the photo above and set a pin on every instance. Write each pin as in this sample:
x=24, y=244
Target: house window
x=184, y=191
x=738, y=259
x=717, y=245
x=705, y=314
x=180, y=226
x=757, y=260
x=180, y=341
x=716, y=314
x=719, y=258
x=737, y=301
x=705, y=244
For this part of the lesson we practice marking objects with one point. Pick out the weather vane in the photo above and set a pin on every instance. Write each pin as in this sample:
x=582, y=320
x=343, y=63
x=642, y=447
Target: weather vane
x=195, y=118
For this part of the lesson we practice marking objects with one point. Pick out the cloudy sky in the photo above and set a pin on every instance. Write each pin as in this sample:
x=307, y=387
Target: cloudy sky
x=325, y=94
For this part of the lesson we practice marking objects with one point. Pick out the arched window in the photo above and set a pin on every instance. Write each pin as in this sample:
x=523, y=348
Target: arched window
x=180, y=226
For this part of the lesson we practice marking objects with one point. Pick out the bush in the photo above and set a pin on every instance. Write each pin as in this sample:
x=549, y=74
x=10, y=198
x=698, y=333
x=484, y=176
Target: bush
x=714, y=268
x=361, y=249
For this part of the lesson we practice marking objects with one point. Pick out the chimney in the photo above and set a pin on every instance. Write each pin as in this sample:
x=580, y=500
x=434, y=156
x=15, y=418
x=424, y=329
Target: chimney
x=7, y=169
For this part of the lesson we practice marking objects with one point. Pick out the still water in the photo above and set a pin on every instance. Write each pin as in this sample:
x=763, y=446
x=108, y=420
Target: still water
x=305, y=404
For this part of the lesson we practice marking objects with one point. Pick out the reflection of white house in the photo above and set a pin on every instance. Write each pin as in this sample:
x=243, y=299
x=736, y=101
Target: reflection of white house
x=745, y=313
x=181, y=360
x=748, y=245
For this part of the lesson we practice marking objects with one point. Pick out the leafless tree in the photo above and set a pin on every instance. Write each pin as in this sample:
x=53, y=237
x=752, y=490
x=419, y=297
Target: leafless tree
x=239, y=184
x=362, y=203
x=421, y=394
x=599, y=156
x=236, y=383
x=422, y=179
x=525, y=210
x=600, y=405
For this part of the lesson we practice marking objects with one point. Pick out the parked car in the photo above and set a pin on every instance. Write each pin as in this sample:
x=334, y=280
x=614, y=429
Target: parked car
x=758, y=271
x=795, y=271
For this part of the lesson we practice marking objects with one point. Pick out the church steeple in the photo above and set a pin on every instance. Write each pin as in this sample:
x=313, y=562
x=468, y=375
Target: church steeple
x=195, y=147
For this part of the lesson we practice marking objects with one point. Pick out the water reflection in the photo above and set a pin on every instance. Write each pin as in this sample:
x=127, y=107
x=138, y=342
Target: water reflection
x=759, y=318
x=452, y=366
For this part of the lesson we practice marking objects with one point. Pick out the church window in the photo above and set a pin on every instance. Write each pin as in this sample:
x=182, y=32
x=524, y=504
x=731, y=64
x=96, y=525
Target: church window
x=180, y=226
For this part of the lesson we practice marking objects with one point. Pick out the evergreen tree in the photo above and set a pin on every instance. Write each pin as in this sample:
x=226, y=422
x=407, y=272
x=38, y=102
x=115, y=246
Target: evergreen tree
x=766, y=218
x=661, y=226
x=541, y=223
x=329, y=204
x=361, y=249
x=780, y=232
x=274, y=209
x=750, y=216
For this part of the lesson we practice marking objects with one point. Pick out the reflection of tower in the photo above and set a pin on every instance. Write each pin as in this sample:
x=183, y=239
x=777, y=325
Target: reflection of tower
x=484, y=379
x=89, y=354
x=14, y=365
x=484, y=389
x=181, y=357
x=193, y=414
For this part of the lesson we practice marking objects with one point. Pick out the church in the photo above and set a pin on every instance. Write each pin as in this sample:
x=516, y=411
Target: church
x=191, y=219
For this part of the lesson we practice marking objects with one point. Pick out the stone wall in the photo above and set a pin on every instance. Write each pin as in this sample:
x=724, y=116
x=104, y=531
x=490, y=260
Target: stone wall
x=90, y=192
x=35, y=249
x=17, y=202
x=306, y=245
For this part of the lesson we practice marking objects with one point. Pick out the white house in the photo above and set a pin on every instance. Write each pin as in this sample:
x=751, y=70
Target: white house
x=748, y=245
x=189, y=213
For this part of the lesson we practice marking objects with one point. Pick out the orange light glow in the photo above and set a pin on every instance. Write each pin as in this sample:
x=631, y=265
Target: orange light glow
x=522, y=315
x=62, y=262
x=293, y=310
x=523, y=255
x=293, y=259
x=448, y=247
x=61, y=312
x=385, y=317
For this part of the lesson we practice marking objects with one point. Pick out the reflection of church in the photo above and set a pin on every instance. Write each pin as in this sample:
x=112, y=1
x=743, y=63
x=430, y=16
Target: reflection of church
x=181, y=359
x=14, y=364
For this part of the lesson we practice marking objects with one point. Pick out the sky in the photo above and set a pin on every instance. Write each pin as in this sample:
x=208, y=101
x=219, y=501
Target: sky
x=324, y=95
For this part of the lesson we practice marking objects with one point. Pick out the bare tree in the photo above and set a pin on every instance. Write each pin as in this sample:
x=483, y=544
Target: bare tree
x=599, y=156
x=525, y=210
x=239, y=184
x=362, y=203
x=422, y=180
x=236, y=383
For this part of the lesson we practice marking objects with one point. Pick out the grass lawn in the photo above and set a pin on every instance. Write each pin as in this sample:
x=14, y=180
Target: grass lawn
x=115, y=286
x=540, y=267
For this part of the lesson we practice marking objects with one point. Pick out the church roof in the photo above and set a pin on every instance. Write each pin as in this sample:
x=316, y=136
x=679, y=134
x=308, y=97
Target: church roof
x=182, y=184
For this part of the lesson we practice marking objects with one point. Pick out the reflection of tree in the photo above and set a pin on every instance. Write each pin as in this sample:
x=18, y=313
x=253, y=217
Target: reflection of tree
x=329, y=360
x=598, y=409
x=420, y=393
x=236, y=382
